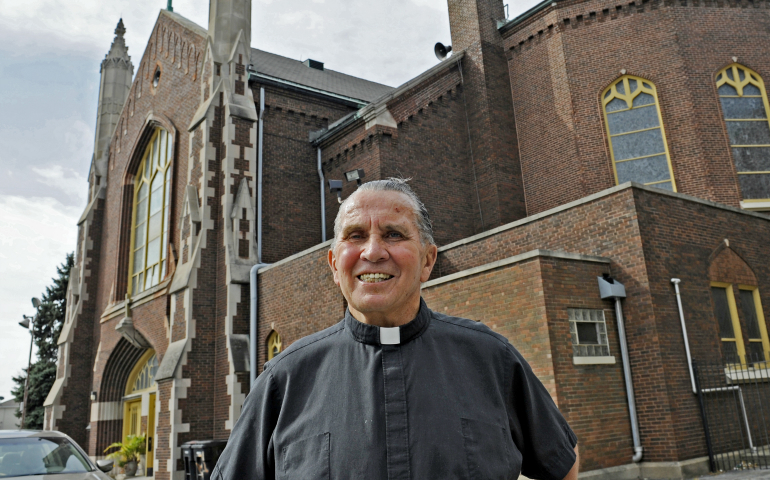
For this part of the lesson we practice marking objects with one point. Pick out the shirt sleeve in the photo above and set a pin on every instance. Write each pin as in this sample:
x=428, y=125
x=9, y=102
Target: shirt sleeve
x=540, y=432
x=249, y=451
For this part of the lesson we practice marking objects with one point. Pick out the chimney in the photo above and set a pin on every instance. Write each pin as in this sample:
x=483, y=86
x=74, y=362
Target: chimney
x=487, y=90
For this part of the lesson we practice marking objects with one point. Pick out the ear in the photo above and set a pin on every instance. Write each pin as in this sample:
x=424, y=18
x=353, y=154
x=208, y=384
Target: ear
x=333, y=265
x=429, y=261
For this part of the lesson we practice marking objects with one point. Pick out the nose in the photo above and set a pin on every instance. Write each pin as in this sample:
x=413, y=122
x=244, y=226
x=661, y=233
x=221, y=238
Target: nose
x=375, y=250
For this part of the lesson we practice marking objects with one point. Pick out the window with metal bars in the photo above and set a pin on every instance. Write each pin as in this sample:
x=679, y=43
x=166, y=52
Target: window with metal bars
x=728, y=316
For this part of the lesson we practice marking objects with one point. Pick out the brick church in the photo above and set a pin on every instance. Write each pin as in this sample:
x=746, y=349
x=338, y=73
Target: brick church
x=582, y=138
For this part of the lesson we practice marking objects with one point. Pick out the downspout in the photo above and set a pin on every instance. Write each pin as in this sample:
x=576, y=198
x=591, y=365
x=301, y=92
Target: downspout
x=638, y=450
x=610, y=288
x=253, y=322
x=676, y=283
x=253, y=273
x=323, y=197
x=261, y=130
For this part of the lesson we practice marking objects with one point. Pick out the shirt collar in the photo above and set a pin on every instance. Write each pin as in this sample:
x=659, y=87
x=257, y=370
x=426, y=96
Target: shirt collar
x=370, y=334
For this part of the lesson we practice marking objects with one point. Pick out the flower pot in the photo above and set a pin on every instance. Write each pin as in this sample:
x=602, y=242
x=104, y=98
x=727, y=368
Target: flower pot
x=130, y=469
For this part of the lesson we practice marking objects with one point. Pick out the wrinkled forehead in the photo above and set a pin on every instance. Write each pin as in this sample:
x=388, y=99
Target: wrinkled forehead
x=394, y=207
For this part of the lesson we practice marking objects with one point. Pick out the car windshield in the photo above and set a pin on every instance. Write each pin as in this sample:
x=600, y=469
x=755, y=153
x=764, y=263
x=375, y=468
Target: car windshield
x=40, y=456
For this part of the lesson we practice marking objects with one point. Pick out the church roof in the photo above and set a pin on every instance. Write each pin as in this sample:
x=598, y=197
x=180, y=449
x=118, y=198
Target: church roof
x=294, y=71
x=288, y=70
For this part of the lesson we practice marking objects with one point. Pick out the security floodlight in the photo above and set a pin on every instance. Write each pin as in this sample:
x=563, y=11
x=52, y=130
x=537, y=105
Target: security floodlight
x=356, y=175
x=335, y=186
x=36, y=302
x=25, y=323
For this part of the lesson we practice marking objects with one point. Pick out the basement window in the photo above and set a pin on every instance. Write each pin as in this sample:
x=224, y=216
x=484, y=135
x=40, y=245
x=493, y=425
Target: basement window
x=588, y=329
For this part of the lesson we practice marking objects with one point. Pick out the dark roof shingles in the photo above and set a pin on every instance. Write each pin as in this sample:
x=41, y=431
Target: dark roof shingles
x=295, y=71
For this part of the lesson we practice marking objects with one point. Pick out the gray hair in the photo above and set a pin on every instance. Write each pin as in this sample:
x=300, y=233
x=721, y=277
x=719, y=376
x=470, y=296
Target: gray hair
x=400, y=185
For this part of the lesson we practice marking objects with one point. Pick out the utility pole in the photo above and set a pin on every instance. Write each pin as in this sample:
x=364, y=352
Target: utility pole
x=28, y=323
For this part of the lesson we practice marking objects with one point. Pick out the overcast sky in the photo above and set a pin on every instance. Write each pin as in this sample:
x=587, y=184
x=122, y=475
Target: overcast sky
x=50, y=51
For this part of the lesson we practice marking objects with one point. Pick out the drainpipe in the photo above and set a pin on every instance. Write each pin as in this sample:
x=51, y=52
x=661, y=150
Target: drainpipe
x=253, y=273
x=676, y=283
x=323, y=198
x=259, y=172
x=610, y=288
x=253, y=322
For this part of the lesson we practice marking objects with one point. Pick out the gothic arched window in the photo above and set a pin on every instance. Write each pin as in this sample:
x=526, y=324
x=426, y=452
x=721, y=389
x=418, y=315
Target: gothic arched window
x=149, y=231
x=744, y=106
x=274, y=345
x=635, y=131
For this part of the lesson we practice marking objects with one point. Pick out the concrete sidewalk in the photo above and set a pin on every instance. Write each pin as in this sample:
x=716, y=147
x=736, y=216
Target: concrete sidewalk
x=740, y=475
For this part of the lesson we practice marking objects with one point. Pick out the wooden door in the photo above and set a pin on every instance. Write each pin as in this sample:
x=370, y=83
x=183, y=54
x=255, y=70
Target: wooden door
x=150, y=436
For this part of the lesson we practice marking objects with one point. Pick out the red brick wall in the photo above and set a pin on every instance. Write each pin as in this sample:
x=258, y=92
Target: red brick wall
x=562, y=59
x=431, y=137
x=473, y=24
x=292, y=200
x=680, y=239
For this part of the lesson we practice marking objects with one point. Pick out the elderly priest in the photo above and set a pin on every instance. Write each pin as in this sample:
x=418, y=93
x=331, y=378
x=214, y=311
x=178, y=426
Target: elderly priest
x=396, y=391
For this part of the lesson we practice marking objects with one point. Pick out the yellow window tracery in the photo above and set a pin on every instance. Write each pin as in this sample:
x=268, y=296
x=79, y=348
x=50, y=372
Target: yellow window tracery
x=142, y=377
x=149, y=232
x=274, y=345
x=636, y=135
x=745, y=106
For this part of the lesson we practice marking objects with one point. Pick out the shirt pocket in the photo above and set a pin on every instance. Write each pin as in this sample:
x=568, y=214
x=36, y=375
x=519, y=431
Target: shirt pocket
x=307, y=459
x=489, y=451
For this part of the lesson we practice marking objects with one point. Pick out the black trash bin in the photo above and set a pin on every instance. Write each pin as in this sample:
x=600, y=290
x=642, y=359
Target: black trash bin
x=200, y=457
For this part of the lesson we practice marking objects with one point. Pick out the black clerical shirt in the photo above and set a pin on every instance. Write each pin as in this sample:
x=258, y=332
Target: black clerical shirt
x=438, y=398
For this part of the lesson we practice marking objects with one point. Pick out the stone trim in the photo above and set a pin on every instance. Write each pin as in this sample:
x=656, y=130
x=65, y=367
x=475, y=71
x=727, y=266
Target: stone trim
x=511, y=260
x=589, y=199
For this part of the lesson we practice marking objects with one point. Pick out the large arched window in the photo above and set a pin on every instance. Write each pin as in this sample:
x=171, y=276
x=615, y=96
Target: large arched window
x=149, y=231
x=635, y=131
x=744, y=106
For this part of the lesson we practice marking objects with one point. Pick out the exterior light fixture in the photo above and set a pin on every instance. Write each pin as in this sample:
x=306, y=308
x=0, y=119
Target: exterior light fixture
x=335, y=186
x=93, y=396
x=356, y=175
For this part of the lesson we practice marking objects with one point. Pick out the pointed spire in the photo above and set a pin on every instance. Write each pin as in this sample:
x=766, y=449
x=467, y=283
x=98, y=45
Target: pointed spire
x=118, y=50
x=120, y=30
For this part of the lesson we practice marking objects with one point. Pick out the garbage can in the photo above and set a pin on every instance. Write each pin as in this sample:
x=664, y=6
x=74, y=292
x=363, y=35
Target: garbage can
x=200, y=457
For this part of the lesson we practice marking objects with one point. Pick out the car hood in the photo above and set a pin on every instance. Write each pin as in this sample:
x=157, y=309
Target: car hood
x=95, y=475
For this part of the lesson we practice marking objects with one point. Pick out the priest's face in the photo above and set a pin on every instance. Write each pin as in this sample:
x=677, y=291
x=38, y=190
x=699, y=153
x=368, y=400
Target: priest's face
x=379, y=259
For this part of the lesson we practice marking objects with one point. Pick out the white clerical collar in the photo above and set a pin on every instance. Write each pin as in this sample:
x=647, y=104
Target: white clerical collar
x=390, y=336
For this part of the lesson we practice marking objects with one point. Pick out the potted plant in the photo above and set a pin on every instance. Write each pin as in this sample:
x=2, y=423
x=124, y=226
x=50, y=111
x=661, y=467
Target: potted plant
x=127, y=453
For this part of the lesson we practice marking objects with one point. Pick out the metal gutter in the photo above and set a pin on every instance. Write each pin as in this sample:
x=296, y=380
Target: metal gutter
x=370, y=108
x=355, y=102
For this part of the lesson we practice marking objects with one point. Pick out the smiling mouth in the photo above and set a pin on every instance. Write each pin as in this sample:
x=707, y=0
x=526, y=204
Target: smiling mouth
x=374, y=277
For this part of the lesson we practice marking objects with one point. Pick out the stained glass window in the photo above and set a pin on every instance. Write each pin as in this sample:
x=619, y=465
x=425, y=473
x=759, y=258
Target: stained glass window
x=744, y=106
x=636, y=134
x=274, y=345
x=146, y=376
x=152, y=188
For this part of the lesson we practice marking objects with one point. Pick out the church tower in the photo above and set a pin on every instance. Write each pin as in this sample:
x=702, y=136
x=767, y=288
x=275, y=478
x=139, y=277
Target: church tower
x=487, y=91
x=117, y=72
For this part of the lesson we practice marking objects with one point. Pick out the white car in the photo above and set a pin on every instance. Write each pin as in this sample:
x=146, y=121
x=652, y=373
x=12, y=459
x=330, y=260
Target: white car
x=35, y=455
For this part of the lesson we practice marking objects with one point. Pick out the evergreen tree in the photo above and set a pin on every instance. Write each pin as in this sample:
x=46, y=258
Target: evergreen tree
x=45, y=333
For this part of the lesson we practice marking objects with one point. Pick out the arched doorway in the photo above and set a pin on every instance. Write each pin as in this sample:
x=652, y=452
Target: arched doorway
x=139, y=404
